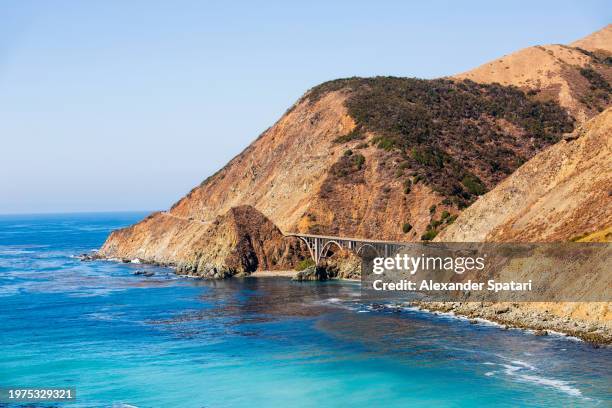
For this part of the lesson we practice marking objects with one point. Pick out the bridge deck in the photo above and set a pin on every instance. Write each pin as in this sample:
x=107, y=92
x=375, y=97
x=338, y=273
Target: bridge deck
x=333, y=238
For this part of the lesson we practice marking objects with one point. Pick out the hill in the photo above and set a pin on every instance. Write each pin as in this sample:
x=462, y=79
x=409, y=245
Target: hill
x=578, y=76
x=388, y=158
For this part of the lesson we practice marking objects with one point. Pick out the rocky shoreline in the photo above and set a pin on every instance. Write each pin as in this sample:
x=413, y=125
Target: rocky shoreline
x=507, y=315
x=517, y=315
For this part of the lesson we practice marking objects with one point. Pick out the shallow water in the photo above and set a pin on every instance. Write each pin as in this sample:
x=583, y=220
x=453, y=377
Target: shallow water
x=167, y=341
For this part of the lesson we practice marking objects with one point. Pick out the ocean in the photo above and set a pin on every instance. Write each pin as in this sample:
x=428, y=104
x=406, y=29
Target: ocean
x=125, y=340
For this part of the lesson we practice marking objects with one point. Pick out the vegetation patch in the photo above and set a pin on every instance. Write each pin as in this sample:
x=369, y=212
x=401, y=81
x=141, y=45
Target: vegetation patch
x=429, y=235
x=473, y=184
x=349, y=137
x=349, y=164
x=600, y=90
x=304, y=264
x=447, y=131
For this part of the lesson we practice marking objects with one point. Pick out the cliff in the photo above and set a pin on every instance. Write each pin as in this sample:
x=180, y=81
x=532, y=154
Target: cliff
x=238, y=242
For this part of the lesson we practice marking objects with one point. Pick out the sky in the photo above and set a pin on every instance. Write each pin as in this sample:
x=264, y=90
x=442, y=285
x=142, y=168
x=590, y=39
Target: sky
x=126, y=105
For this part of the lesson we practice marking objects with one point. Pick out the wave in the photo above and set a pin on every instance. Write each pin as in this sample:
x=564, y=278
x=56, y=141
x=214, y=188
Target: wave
x=526, y=372
x=560, y=385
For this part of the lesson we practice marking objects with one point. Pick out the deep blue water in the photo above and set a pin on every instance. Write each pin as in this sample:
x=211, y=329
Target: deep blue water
x=166, y=341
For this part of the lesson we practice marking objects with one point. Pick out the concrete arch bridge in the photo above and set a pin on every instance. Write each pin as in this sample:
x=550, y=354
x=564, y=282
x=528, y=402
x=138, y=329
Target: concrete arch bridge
x=321, y=246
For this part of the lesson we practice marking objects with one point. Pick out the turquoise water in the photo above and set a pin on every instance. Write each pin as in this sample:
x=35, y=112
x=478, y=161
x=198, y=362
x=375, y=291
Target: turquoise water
x=166, y=341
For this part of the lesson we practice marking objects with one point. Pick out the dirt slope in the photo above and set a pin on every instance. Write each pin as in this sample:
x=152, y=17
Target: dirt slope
x=563, y=193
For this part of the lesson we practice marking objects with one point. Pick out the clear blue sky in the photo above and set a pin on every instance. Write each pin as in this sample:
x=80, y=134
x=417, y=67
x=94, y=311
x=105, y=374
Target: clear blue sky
x=126, y=105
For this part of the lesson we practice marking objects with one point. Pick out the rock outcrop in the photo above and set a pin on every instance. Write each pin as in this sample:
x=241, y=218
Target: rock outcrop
x=237, y=243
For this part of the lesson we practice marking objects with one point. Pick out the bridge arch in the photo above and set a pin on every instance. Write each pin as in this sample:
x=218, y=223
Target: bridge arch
x=311, y=250
x=359, y=251
x=327, y=246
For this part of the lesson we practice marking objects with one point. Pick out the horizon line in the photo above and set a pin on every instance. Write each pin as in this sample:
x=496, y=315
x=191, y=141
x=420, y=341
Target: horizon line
x=77, y=212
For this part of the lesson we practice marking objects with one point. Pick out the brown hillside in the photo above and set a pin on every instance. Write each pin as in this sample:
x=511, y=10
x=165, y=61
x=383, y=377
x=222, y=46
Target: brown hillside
x=571, y=75
x=336, y=163
x=564, y=192
x=598, y=41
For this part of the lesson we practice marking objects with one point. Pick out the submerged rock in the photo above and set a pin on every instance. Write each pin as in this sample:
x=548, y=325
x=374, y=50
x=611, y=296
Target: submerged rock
x=144, y=273
x=88, y=257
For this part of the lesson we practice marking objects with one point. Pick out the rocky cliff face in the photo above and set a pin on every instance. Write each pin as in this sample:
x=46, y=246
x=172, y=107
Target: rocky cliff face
x=388, y=158
x=238, y=242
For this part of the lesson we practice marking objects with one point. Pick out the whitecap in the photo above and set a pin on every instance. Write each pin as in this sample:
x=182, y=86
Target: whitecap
x=517, y=371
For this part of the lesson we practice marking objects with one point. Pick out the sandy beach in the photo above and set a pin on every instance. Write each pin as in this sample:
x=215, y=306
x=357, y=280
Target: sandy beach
x=273, y=274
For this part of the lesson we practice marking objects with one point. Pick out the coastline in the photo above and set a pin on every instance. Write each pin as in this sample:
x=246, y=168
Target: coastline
x=506, y=315
x=521, y=316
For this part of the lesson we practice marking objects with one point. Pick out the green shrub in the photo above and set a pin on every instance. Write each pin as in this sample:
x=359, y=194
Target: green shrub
x=446, y=128
x=304, y=264
x=406, y=227
x=384, y=143
x=359, y=161
x=348, y=152
x=596, y=80
x=347, y=167
x=473, y=184
x=600, y=90
x=429, y=235
x=407, y=186
x=353, y=135
x=432, y=209
x=445, y=215
x=428, y=156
